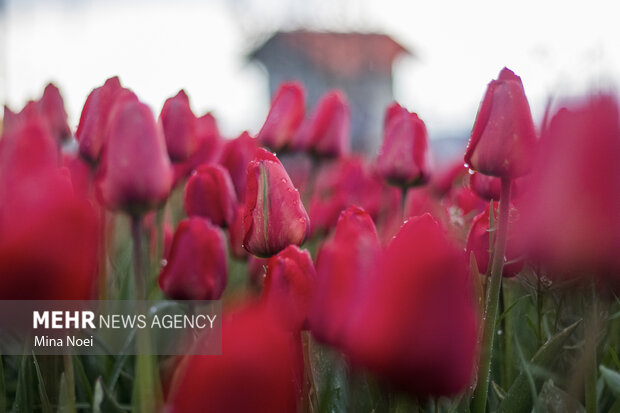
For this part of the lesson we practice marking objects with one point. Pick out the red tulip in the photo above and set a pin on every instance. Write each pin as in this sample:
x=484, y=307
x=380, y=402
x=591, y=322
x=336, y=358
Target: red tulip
x=210, y=193
x=478, y=243
x=274, y=216
x=345, y=182
x=208, y=148
x=415, y=323
x=404, y=157
x=236, y=155
x=573, y=197
x=135, y=173
x=52, y=109
x=284, y=118
x=196, y=266
x=486, y=187
x=257, y=372
x=503, y=138
x=343, y=265
x=48, y=235
x=92, y=130
x=329, y=132
x=289, y=285
x=421, y=201
x=179, y=124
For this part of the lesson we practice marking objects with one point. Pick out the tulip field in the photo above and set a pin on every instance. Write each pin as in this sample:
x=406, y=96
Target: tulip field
x=348, y=282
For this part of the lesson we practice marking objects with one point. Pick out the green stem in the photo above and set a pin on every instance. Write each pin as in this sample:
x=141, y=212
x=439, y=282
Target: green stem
x=591, y=368
x=508, y=341
x=490, y=316
x=136, y=234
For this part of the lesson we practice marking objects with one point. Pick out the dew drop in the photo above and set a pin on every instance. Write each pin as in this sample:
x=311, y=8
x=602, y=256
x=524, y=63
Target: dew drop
x=164, y=262
x=499, y=332
x=283, y=180
x=471, y=171
x=466, y=165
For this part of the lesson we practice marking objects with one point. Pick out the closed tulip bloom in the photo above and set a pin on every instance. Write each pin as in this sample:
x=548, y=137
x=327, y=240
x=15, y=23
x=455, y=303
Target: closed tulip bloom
x=52, y=108
x=284, y=117
x=257, y=372
x=503, y=138
x=274, y=216
x=92, y=130
x=415, y=324
x=486, y=187
x=48, y=234
x=236, y=155
x=404, y=156
x=196, y=265
x=329, y=130
x=344, y=264
x=207, y=151
x=179, y=124
x=478, y=243
x=210, y=193
x=289, y=285
x=135, y=173
x=572, y=200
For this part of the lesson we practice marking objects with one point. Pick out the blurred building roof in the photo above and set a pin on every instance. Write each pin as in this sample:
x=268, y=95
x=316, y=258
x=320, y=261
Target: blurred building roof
x=339, y=54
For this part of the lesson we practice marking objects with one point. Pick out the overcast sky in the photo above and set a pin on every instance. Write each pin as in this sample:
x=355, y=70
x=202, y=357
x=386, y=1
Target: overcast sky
x=157, y=47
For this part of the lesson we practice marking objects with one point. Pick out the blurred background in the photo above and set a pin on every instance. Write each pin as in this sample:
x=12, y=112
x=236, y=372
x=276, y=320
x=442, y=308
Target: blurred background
x=435, y=57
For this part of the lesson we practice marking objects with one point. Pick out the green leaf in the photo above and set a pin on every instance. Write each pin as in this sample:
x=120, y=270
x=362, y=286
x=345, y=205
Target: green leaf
x=554, y=400
x=23, y=398
x=46, y=407
x=2, y=388
x=612, y=380
x=519, y=397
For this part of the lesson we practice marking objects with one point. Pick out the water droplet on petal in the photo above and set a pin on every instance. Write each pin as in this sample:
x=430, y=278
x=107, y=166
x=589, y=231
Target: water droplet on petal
x=164, y=262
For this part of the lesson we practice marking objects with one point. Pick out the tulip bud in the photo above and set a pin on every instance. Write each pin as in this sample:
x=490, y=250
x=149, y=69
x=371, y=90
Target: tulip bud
x=342, y=267
x=503, y=138
x=486, y=187
x=196, y=265
x=135, y=173
x=179, y=125
x=210, y=193
x=274, y=216
x=329, y=132
x=289, y=285
x=52, y=108
x=257, y=372
x=415, y=323
x=284, y=118
x=478, y=242
x=92, y=129
x=404, y=156
x=207, y=151
x=235, y=157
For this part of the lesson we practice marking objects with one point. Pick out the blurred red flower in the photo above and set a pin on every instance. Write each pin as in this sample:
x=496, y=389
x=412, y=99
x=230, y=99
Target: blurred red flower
x=236, y=155
x=328, y=133
x=289, y=285
x=210, y=193
x=284, y=118
x=404, y=158
x=415, y=322
x=135, y=173
x=196, y=266
x=179, y=125
x=259, y=370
